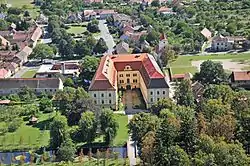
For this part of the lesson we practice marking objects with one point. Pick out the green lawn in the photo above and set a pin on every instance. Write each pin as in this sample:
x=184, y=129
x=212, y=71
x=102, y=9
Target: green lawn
x=122, y=134
x=183, y=63
x=76, y=29
x=27, y=136
x=29, y=74
x=19, y=3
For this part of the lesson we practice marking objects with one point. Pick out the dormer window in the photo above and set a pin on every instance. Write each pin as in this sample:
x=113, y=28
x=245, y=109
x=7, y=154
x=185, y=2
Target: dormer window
x=127, y=67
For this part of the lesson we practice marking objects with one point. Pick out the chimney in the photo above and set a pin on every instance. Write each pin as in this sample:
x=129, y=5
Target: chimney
x=63, y=68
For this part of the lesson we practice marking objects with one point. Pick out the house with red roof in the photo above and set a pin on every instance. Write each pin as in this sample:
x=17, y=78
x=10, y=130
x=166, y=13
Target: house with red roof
x=128, y=71
x=4, y=73
x=92, y=1
x=165, y=10
x=240, y=79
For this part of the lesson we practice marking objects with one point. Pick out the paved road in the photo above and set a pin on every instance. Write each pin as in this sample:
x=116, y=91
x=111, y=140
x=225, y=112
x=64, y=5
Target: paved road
x=106, y=35
x=131, y=147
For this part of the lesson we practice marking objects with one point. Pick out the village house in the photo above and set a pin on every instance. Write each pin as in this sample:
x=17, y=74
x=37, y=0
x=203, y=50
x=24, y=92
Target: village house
x=165, y=11
x=240, y=79
x=98, y=14
x=39, y=85
x=134, y=36
x=206, y=33
x=52, y=70
x=128, y=71
x=122, y=48
x=4, y=73
x=74, y=17
x=122, y=19
x=221, y=43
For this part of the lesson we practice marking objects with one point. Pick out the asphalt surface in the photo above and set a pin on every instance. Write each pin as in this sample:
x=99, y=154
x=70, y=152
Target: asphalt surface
x=108, y=38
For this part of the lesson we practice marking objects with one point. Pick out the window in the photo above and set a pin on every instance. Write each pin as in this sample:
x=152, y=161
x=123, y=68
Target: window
x=158, y=92
x=163, y=92
x=134, y=81
x=151, y=92
x=152, y=100
x=50, y=90
x=121, y=75
x=95, y=101
x=102, y=101
x=109, y=101
x=94, y=95
x=102, y=95
x=121, y=81
x=134, y=75
x=158, y=99
x=127, y=75
x=109, y=94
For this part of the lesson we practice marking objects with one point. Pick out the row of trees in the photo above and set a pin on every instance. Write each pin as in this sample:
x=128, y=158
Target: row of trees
x=212, y=130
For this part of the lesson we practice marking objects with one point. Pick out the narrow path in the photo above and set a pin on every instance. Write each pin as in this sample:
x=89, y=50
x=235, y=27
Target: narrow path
x=131, y=147
x=108, y=38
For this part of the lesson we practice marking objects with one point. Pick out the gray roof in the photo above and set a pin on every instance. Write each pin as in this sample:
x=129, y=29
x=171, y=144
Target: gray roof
x=33, y=83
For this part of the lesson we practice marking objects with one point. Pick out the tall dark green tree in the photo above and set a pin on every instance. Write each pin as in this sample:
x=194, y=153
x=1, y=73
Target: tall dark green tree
x=184, y=95
x=109, y=125
x=88, y=126
x=211, y=73
x=100, y=47
x=58, y=131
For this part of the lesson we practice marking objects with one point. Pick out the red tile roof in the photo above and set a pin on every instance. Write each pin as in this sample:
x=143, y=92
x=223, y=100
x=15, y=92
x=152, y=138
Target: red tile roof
x=3, y=73
x=106, y=75
x=241, y=75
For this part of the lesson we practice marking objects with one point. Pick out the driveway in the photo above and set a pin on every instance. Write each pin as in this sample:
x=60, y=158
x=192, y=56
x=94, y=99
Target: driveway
x=106, y=36
x=131, y=147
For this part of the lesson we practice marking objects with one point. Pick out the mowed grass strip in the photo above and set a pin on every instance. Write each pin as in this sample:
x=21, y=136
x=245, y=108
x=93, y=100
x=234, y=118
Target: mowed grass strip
x=122, y=133
x=19, y=3
x=76, y=29
x=29, y=74
x=183, y=63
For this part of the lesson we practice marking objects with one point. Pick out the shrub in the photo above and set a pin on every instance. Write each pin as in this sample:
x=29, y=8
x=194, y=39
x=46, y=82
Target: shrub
x=3, y=128
x=14, y=125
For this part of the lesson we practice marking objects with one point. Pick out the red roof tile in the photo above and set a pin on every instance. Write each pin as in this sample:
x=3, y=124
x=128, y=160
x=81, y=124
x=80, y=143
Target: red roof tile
x=241, y=75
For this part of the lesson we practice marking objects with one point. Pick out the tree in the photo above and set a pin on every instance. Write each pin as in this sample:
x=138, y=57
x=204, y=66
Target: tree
x=3, y=25
x=27, y=94
x=220, y=153
x=100, y=47
x=88, y=126
x=15, y=11
x=66, y=151
x=45, y=104
x=147, y=152
x=109, y=125
x=141, y=124
x=42, y=51
x=155, y=3
x=58, y=131
x=211, y=73
x=212, y=108
x=223, y=126
x=26, y=14
x=89, y=66
x=168, y=55
x=152, y=37
x=223, y=92
x=184, y=95
x=162, y=104
x=68, y=82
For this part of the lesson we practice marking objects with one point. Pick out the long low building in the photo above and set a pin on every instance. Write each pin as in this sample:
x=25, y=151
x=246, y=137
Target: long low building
x=39, y=85
x=128, y=71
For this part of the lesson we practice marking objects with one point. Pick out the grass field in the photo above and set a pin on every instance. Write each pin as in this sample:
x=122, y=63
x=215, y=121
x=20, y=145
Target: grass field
x=76, y=29
x=122, y=134
x=27, y=137
x=183, y=63
x=29, y=74
x=19, y=3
